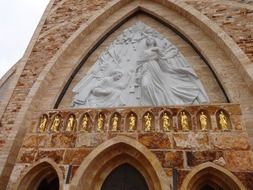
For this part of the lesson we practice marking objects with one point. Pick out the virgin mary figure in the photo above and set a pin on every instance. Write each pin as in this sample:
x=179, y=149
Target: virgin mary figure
x=165, y=78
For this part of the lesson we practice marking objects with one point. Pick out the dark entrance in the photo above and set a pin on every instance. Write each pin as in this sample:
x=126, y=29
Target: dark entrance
x=49, y=183
x=209, y=187
x=125, y=177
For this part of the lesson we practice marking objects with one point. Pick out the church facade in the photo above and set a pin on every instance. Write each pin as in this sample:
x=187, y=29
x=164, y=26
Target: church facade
x=132, y=94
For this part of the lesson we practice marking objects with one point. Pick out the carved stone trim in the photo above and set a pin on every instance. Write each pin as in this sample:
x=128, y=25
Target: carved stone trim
x=37, y=170
x=198, y=175
x=119, y=150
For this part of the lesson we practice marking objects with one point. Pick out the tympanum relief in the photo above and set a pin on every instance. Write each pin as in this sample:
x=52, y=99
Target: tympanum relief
x=140, y=68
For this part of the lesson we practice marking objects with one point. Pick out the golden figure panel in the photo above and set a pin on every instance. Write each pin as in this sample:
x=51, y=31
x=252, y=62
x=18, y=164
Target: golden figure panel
x=132, y=122
x=55, y=127
x=71, y=123
x=203, y=121
x=85, y=123
x=115, y=121
x=223, y=121
x=165, y=122
x=147, y=122
x=184, y=121
x=100, y=122
x=43, y=123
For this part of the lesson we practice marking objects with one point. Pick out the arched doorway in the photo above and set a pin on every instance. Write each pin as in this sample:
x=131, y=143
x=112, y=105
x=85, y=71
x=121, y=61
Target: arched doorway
x=211, y=187
x=120, y=156
x=43, y=175
x=209, y=176
x=125, y=177
x=50, y=182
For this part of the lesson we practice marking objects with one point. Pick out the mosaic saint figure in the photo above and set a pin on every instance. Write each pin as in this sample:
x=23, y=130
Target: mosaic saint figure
x=56, y=124
x=166, y=122
x=203, y=121
x=115, y=123
x=85, y=123
x=184, y=121
x=132, y=123
x=147, y=122
x=70, y=123
x=223, y=121
x=100, y=123
x=43, y=124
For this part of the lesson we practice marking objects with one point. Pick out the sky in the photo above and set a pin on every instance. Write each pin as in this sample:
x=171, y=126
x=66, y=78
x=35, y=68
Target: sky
x=18, y=21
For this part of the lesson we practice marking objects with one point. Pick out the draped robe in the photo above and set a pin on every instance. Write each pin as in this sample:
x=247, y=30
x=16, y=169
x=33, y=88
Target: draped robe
x=167, y=79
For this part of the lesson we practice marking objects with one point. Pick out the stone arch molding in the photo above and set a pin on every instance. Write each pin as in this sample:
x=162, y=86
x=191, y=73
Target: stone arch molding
x=36, y=172
x=70, y=55
x=119, y=150
x=211, y=173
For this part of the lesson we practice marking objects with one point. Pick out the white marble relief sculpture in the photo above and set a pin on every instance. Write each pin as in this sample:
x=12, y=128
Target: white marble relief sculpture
x=140, y=68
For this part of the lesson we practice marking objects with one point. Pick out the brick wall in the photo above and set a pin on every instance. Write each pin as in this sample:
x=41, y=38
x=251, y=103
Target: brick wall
x=66, y=17
x=236, y=21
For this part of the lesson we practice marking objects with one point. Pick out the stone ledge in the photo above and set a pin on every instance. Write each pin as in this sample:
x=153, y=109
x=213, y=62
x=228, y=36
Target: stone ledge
x=232, y=113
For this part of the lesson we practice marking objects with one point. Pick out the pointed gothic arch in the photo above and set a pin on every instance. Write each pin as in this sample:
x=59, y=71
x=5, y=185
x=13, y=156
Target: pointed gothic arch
x=120, y=17
x=44, y=170
x=70, y=54
x=212, y=175
x=125, y=176
x=120, y=150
